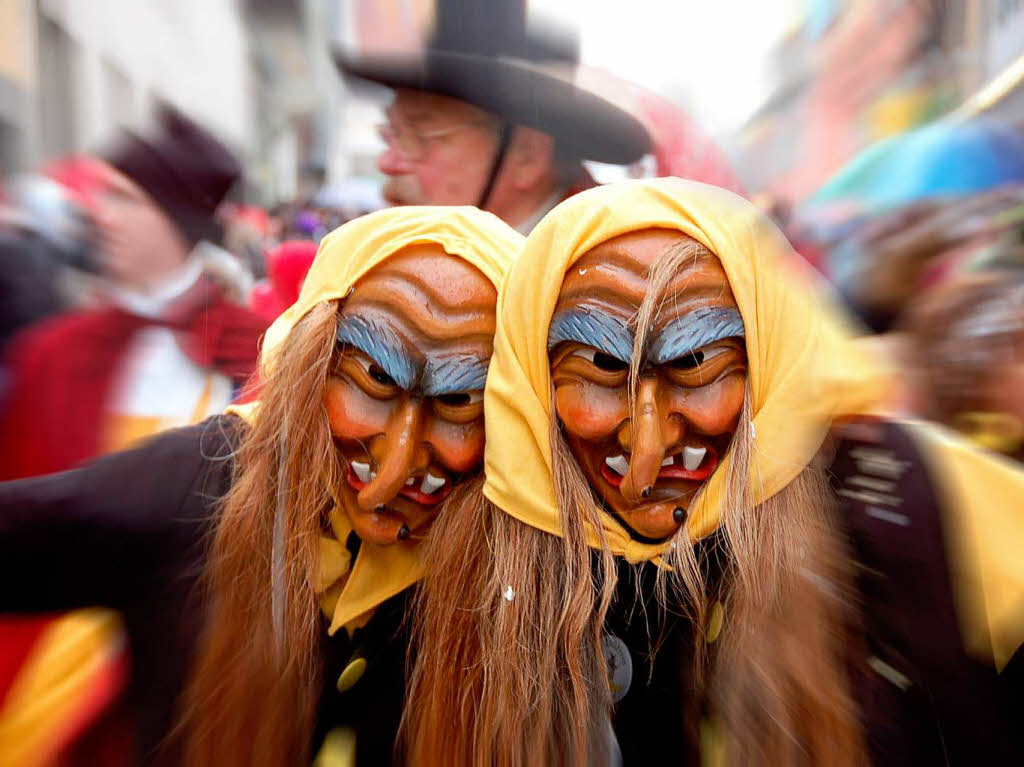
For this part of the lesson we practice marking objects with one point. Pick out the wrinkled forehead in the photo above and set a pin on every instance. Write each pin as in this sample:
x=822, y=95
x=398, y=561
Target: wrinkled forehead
x=616, y=273
x=428, y=296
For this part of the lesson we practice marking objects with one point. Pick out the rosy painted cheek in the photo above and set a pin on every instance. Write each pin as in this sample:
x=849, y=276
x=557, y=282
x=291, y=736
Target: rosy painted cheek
x=459, y=447
x=352, y=413
x=711, y=409
x=590, y=412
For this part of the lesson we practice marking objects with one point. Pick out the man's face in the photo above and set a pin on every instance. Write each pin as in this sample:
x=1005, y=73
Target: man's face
x=440, y=150
x=139, y=243
x=647, y=464
x=405, y=398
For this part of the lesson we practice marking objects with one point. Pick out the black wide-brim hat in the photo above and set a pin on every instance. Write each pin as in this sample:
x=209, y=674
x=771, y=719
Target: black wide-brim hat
x=482, y=54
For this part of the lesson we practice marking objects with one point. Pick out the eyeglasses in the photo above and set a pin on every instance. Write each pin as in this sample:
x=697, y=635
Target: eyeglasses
x=413, y=142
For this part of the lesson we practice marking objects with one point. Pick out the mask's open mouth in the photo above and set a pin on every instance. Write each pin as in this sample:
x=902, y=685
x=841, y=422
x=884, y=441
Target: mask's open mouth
x=427, y=489
x=694, y=463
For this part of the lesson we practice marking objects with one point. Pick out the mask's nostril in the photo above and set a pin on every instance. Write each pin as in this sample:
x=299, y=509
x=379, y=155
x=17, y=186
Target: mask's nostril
x=403, y=532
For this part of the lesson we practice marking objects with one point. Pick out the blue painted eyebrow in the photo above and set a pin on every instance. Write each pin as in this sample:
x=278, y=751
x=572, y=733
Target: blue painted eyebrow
x=593, y=328
x=381, y=344
x=453, y=374
x=696, y=329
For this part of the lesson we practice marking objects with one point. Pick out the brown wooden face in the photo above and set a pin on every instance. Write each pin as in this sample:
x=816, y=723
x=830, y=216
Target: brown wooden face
x=405, y=397
x=690, y=392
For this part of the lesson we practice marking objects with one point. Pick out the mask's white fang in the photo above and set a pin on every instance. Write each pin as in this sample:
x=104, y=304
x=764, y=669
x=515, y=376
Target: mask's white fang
x=431, y=484
x=361, y=469
x=618, y=464
x=692, y=457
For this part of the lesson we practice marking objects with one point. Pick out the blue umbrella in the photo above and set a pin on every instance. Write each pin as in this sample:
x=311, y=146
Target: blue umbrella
x=943, y=159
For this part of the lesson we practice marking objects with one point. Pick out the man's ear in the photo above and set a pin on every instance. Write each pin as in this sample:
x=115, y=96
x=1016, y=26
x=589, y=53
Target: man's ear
x=530, y=159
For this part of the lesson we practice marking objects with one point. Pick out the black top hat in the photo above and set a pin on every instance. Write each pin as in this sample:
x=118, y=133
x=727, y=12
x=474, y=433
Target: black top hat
x=481, y=52
x=183, y=167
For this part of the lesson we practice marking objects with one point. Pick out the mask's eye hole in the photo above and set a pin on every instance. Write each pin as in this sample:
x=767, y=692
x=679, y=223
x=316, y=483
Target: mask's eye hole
x=601, y=360
x=461, y=399
x=378, y=375
x=688, y=361
x=609, y=363
x=375, y=371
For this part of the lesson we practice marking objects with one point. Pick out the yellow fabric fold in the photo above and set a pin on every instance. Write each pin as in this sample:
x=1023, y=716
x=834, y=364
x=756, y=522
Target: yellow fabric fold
x=980, y=497
x=348, y=596
x=805, y=367
x=350, y=251
x=349, y=593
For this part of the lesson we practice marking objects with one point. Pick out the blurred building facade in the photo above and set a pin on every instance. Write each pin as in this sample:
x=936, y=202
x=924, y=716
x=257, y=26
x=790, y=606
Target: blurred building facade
x=855, y=71
x=73, y=72
x=256, y=72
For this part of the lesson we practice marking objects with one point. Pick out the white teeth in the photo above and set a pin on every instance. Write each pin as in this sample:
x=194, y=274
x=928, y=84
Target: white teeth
x=410, y=481
x=692, y=457
x=669, y=461
x=618, y=464
x=431, y=484
x=361, y=469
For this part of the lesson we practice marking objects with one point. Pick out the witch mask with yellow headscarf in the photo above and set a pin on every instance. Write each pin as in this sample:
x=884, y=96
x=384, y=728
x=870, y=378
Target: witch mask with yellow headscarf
x=664, y=368
x=408, y=299
x=369, y=422
x=666, y=378
x=731, y=308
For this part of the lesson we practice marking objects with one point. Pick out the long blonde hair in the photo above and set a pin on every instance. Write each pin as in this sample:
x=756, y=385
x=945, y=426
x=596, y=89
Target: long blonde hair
x=506, y=663
x=506, y=660
x=254, y=689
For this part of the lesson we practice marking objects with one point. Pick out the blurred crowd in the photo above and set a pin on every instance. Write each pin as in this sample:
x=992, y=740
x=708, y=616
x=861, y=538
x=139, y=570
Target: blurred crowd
x=135, y=287
x=58, y=226
x=923, y=238
x=930, y=258
x=135, y=292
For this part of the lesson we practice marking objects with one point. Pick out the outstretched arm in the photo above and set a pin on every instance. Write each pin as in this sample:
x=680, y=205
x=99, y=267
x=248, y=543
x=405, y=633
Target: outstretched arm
x=108, y=533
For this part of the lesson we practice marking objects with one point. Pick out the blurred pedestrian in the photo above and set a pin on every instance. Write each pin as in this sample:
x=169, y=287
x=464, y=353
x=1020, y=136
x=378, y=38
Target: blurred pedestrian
x=491, y=115
x=967, y=349
x=895, y=255
x=168, y=347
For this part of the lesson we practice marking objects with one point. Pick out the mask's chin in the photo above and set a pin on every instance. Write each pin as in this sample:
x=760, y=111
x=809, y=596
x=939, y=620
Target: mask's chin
x=653, y=521
x=398, y=520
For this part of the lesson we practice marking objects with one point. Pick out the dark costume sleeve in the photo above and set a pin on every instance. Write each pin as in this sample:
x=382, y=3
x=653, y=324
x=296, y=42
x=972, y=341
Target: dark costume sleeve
x=924, y=696
x=105, y=533
x=127, y=531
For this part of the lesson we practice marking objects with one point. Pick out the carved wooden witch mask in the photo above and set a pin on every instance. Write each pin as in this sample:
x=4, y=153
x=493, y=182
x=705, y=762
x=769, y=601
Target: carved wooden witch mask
x=405, y=396
x=648, y=454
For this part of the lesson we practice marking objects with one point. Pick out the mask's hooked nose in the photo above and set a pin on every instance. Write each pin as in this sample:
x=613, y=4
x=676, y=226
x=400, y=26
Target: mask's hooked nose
x=647, y=446
x=399, y=454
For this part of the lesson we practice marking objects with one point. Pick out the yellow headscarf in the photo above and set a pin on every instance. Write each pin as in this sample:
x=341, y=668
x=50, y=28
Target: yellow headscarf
x=345, y=255
x=804, y=367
